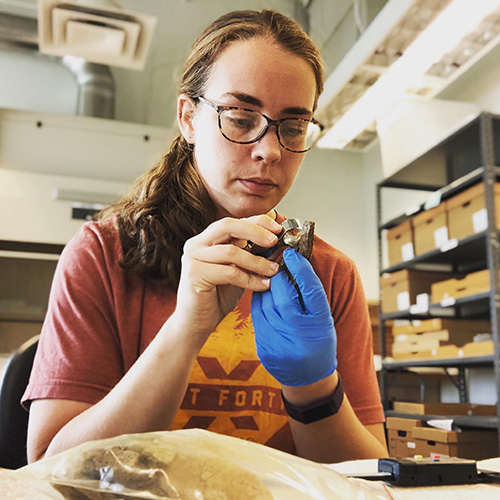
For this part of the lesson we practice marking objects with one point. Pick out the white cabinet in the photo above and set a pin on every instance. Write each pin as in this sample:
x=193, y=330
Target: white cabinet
x=79, y=146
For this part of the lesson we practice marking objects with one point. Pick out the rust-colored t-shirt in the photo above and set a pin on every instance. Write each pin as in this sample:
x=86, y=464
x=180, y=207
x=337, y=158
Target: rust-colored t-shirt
x=101, y=318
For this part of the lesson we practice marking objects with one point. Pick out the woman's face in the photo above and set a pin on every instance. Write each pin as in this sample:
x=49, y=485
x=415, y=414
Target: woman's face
x=250, y=179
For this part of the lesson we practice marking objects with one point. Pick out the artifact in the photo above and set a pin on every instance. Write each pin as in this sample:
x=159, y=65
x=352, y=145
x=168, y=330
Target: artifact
x=155, y=469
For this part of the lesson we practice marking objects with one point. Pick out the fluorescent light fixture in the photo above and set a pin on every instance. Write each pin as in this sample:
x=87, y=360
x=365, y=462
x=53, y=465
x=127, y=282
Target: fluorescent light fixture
x=442, y=35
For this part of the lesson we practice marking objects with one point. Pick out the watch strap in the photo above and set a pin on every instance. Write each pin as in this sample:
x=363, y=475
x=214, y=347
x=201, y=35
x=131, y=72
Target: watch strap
x=317, y=410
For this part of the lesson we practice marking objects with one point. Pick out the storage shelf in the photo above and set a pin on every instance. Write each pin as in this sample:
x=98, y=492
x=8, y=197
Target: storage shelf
x=21, y=318
x=471, y=250
x=446, y=192
x=474, y=421
x=408, y=315
x=30, y=247
x=440, y=311
x=475, y=361
x=451, y=159
x=468, y=157
x=478, y=297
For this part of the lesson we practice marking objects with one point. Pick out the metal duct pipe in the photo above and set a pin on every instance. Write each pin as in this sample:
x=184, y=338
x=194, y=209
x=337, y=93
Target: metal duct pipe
x=96, y=86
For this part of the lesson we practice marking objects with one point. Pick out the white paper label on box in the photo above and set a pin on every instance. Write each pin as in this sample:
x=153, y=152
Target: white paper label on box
x=443, y=424
x=407, y=252
x=421, y=304
x=480, y=220
x=410, y=444
x=403, y=301
x=449, y=245
x=440, y=236
x=423, y=300
x=418, y=309
x=433, y=201
x=447, y=302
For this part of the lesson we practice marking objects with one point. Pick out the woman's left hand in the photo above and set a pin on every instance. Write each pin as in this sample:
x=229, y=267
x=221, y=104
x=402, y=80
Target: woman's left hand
x=298, y=347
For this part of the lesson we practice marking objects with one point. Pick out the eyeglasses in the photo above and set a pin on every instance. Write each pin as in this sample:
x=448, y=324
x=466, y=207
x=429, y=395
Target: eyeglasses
x=245, y=126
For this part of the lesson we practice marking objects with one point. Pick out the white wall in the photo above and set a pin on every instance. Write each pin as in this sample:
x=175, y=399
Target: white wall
x=32, y=82
x=327, y=191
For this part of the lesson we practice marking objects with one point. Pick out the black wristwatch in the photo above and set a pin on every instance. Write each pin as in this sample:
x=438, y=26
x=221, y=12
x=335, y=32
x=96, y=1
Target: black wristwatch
x=317, y=410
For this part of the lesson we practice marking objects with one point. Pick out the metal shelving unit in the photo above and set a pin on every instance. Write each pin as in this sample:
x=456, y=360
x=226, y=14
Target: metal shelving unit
x=469, y=156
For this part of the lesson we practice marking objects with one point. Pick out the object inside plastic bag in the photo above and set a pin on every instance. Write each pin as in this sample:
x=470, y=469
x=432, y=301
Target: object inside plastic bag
x=189, y=465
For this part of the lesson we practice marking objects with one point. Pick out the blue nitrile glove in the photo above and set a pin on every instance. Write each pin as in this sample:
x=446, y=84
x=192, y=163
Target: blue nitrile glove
x=296, y=347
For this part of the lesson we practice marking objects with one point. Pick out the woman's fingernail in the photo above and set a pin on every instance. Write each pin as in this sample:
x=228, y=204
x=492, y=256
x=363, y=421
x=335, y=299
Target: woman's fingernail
x=266, y=282
x=274, y=266
x=271, y=237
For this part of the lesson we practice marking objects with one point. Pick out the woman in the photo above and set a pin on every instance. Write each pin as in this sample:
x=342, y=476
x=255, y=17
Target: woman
x=149, y=327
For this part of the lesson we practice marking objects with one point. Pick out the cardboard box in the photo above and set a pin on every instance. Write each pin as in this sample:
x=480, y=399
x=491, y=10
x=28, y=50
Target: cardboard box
x=467, y=212
x=437, y=324
x=471, y=284
x=430, y=229
x=399, y=290
x=472, y=349
x=422, y=342
x=406, y=344
x=444, y=408
x=400, y=243
x=400, y=436
x=476, y=445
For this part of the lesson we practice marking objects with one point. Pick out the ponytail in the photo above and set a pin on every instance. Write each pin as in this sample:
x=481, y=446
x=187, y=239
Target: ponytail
x=165, y=207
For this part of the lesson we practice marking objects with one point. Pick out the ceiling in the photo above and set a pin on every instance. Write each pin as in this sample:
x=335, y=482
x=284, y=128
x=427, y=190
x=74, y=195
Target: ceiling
x=149, y=96
x=385, y=42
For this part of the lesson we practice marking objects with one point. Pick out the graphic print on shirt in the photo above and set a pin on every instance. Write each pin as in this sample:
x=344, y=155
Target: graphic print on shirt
x=230, y=392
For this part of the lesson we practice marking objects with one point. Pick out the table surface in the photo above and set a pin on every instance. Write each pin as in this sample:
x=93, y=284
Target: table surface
x=456, y=492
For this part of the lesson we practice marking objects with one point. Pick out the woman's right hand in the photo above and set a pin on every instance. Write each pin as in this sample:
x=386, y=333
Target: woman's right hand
x=216, y=270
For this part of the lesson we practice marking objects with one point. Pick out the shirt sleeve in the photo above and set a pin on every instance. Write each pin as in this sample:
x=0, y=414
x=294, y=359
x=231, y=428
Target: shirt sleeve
x=78, y=356
x=344, y=288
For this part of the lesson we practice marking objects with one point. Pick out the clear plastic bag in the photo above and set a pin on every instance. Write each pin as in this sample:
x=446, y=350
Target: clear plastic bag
x=189, y=465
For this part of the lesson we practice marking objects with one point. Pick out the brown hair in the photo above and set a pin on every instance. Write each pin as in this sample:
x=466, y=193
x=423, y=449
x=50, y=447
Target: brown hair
x=169, y=204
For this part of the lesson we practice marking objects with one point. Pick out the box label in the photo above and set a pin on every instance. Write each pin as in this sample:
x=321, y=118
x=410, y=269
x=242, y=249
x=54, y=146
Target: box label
x=403, y=301
x=480, y=220
x=448, y=302
x=421, y=305
x=449, y=245
x=433, y=201
x=440, y=236
x=407, y=253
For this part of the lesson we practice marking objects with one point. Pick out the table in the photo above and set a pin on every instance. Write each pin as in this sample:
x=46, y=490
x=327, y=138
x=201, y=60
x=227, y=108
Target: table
x=454, y=492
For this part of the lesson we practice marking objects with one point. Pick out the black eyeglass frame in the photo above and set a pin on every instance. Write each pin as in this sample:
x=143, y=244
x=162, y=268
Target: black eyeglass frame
x=270, y=123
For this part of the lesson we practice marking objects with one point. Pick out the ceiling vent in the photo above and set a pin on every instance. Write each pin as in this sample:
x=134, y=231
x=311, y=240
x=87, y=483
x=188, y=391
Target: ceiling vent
x=103, y=35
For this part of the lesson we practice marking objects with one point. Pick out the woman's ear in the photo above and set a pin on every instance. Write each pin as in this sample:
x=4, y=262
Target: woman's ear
x=186, y=108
